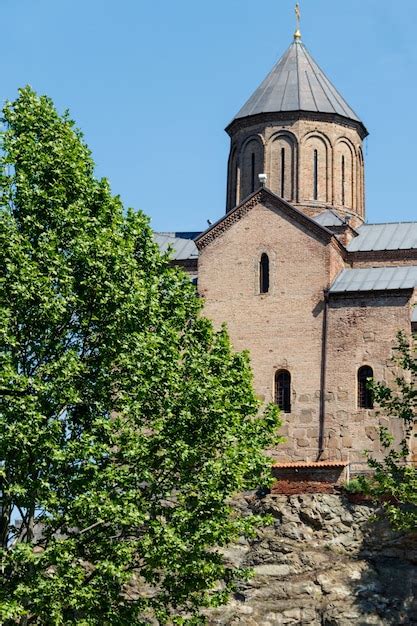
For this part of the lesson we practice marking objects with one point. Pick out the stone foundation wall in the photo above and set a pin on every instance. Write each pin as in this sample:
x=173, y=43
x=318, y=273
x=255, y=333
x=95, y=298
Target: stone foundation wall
x=323, y=562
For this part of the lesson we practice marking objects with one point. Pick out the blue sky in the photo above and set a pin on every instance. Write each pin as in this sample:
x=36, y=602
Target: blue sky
x=152, y=84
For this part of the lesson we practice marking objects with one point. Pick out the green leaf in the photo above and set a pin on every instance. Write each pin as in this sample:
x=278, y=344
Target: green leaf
x=127, y=423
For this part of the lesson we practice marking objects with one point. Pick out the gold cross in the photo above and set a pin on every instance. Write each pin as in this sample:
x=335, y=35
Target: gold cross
x=297, y=34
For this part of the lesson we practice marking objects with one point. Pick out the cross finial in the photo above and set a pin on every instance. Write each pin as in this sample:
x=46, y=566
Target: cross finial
x=297, y=34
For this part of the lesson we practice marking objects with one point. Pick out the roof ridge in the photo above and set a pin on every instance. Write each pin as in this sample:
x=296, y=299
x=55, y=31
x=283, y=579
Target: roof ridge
x=284, y=91
x=267, y=80
x=298, y=73
x=311, y=91
x=334, y=213
x=334, y=91
x=386, y=223
x=309, y=61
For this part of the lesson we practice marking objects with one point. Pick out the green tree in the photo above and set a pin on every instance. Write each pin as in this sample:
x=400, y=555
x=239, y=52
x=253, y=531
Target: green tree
x=127, y=423
x=395, y=477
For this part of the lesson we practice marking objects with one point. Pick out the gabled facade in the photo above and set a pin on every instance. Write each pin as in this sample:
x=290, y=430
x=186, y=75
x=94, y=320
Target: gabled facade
x=315, y=294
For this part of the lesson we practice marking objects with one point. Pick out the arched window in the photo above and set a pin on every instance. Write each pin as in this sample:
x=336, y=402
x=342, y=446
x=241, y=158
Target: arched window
x=316, y=175
x=282, y=157
x=365, y=395
x=361, y=199
x=264, y=274
x=283, y=390
x=233, y=177
x=251, y=164
x=345, y=174
x=252, y=180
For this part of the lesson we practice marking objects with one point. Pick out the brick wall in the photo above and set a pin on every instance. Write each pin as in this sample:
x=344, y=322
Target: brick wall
x=361, y=331
x=284, y=329
x=300, y=138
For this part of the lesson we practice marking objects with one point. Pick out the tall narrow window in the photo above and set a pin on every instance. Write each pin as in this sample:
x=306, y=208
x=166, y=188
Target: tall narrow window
x=316, y=175
x=252, y=184
x=343, y=181
x=282, y=172
x=264, y=274
x=283, y=390
x=365, y=395
x=235, y=189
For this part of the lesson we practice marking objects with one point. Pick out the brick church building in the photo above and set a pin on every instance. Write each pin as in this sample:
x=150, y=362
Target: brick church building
x=316, y=294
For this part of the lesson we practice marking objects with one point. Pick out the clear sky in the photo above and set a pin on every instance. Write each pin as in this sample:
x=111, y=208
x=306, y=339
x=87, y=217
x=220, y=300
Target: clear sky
x=153, y=83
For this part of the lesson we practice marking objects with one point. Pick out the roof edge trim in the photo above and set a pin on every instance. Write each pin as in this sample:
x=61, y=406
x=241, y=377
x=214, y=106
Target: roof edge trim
x=225, y=222
x=297, y=114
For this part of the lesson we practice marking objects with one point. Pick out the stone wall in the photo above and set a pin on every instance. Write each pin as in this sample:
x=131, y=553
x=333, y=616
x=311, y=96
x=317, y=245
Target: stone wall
x=323, y=562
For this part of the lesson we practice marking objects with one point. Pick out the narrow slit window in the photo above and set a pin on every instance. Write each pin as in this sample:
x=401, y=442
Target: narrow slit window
x=316, y=175
x=343, y=181
x=282, y=172
x=236, y=187
x=264, y=274
x=365, y=395
x=253, y=172
x=283, y=390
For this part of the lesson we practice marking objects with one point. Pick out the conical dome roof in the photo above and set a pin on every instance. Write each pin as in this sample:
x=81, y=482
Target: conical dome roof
x=296, y=83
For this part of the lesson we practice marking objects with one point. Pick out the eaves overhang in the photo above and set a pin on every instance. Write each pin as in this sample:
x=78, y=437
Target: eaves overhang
x=371, y=294
x=294, y=116
x=363, y=256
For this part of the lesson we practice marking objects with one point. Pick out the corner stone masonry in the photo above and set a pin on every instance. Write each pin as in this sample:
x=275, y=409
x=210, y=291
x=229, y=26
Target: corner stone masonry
x=324, y=562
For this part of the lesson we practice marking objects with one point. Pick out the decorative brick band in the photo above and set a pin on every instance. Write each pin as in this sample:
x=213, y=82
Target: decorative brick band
x=226, y=222
x=269, y=199
x=286, y=116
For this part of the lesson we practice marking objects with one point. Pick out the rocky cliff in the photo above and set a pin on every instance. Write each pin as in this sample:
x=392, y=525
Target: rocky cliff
x=323, y=562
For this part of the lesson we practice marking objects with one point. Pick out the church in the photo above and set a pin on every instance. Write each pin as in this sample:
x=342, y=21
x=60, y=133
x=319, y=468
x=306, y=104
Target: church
x=316, y=294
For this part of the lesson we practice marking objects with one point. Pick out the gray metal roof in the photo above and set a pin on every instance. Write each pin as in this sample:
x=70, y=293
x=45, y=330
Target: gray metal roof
x=183, y=246
x=328, y=218
x=296, y=83
x=375, y=279
x=391, y=236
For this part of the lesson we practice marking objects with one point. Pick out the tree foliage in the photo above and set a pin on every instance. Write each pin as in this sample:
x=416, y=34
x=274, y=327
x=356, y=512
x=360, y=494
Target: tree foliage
x=126, y=422
x=395, y=477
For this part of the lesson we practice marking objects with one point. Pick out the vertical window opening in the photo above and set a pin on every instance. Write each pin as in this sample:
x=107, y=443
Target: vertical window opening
x=283, y=390
x=316, y=175
x=264, y=274
x=235, y=190
x=253, y=173
x=343, y=181
x=282, y=172
x=365, y=395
